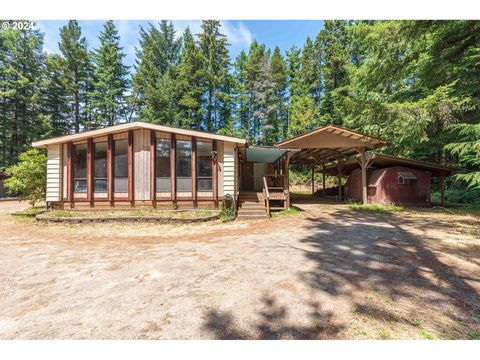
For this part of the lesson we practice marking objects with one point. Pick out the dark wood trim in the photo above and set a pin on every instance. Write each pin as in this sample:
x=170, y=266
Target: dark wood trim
x=194, y=168
x=90, y=169
x=173, y=175
x=131, y=188
x=153, y=185
x=215, y=170
x=110, y=172
x=70, y=164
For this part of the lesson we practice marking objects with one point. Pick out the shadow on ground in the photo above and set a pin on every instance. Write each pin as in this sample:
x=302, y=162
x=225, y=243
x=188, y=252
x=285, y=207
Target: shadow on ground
x=355, y=253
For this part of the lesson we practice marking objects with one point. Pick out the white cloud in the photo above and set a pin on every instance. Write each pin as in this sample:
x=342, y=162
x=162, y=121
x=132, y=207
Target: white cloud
x=238, y=34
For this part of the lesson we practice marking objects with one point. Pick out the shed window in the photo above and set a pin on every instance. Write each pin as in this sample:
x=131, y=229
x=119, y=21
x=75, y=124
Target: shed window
x=405, y=177
x=184, y=165
x=80, y=169
x=120, y=166
x=162, y=165
x=100, y=167
x=204, y=166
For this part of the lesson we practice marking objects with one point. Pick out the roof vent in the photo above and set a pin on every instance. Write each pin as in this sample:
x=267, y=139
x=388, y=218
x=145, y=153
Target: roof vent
x=407, y=175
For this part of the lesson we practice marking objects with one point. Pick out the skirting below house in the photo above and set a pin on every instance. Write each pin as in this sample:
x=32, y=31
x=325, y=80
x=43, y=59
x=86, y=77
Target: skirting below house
x=125, y=204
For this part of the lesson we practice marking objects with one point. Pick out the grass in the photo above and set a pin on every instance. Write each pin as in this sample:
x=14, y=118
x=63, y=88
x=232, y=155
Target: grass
x=290, y=211
x=426, y=335
x=30, y=212
x=182, y=214
x=376, y=208
x=384, y=334
x=473, y=336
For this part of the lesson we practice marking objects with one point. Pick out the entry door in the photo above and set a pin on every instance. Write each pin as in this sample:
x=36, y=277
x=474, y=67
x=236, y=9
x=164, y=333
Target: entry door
x=247, y=176
x=258, y=174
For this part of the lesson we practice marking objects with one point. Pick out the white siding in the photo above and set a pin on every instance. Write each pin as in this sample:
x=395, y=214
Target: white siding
x=141, y=172
x=220, y=166
x=229, y=169
x=54, y=173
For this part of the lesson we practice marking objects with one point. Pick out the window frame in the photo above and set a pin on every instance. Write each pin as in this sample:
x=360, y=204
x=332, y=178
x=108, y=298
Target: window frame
x=94, y=158
x=168, y=144
x=198, y=162
x=115, y=167
x=74, y=172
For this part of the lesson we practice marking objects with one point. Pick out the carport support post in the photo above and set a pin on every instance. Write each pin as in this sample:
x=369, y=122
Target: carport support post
x=339, y=176
x=313, y=179
x=363, y=164
x=441, y=180
x=323, y=180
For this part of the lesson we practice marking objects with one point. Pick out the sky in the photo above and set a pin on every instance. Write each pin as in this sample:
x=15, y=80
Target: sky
x=240, y=33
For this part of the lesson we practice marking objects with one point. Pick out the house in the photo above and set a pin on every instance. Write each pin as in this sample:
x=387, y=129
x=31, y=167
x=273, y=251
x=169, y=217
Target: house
x=143, y=164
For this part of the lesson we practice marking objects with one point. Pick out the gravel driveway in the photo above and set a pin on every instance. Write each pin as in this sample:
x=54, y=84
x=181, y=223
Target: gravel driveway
x=325, y=273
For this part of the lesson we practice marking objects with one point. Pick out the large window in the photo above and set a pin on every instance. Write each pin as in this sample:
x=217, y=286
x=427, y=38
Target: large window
x=121, y=166
x=162, y=165
x=204, y=166
x=100, y=167
x=184, y=165
x=80, y=169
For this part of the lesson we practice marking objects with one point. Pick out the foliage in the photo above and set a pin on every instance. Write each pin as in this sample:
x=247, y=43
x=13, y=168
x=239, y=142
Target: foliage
x=290, y=211
x=28, y=177
x=375, y=208
x=458, y=195
x=228, y=212
x=30, y=212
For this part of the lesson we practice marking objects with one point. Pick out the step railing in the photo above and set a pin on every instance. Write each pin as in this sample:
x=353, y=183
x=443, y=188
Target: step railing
x=266, y=195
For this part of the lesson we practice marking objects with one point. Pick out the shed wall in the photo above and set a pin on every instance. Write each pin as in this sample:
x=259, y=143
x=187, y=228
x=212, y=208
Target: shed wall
x=229, y=160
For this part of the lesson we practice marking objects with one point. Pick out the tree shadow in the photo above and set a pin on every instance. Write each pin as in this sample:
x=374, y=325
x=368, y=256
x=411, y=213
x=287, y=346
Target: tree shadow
x=353, y=254
x=273, y=324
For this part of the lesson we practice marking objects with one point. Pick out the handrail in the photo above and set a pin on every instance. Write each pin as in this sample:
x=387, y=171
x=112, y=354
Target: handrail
x=266, y=195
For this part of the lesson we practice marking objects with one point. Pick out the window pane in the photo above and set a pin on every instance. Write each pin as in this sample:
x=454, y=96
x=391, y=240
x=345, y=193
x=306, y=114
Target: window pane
x=162, y=158
x=164, y=184
x=121, y=158
x=184, y=165
x=101, y=185
x=184, y=159
x=120, y=185
x=80, y=186
x=204, y=166
x=100, y=168
x=205, y=184
x=80, y=170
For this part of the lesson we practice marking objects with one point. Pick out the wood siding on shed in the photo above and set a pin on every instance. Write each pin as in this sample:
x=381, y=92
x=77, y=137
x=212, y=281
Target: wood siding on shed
x=54, y=179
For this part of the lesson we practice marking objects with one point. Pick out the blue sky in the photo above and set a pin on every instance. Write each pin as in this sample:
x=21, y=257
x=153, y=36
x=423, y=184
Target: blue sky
x=240, y=33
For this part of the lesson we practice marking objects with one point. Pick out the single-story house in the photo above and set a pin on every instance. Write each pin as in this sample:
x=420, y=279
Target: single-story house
x=143, y=164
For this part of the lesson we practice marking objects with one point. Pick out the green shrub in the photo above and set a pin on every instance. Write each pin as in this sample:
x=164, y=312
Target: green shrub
x=228, y=212
x=375, y=207
x=458, y=196
x=28, y=178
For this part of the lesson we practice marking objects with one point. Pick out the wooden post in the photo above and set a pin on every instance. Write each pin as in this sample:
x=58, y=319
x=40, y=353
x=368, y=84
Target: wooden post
x=323, y=181
x=173, y=176
x=339, y=178
x=363, y=163
x=441, y=180
x=313, y=179
x=90, y=171
x=130, y=154
x=70, y=164
x=194, y=171
x=110, y=172
x=287, y=182
x=153, y=185
x=215, y=172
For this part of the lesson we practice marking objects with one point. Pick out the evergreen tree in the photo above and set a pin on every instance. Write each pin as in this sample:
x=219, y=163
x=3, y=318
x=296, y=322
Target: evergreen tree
x=218, y=80
x=278, y=73
x=155, y=68
x=190, y=85
x=75, y=66
x=241, y=94
x=108, y=98
x=21, y=80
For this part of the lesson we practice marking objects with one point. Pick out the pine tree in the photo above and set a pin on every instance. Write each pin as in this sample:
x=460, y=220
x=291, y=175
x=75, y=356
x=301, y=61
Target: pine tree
x=108, y=99
x=241, y=94
x=278, y=72
x=155, y=65
x=294, y=80
x=190, y=85
x=21, y=80
x=76, y=71
x=218, y=81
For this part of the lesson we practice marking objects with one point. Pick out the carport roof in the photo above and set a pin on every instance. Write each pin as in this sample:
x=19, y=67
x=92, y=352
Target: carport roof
x=263, y=154
x=328, y=143
x=380, y=161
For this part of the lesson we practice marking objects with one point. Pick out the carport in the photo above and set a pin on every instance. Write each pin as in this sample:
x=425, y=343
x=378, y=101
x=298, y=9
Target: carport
x=327, y=145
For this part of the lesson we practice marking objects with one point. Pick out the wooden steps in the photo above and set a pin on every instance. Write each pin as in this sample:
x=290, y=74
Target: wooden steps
x=251, y=205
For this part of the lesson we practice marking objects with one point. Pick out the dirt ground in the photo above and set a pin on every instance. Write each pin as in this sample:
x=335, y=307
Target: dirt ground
x=324, y=273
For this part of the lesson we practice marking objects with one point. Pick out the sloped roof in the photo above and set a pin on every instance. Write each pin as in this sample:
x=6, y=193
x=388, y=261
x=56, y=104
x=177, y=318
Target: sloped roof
x=328, y=143
x=132, y=126
x=380, y=161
